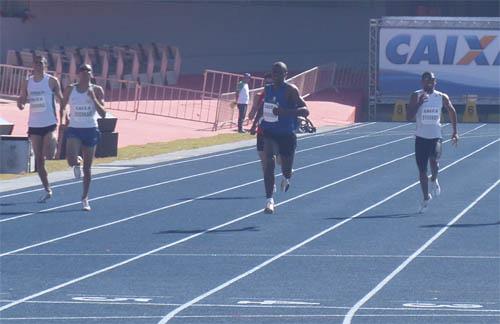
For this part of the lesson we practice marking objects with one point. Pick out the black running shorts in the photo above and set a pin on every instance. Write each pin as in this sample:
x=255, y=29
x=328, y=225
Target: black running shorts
x=41, y=131
x=285, y=144
x=425, y=149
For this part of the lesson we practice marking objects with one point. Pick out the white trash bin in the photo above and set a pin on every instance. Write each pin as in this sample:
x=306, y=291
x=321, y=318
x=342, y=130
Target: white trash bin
x=16, y=155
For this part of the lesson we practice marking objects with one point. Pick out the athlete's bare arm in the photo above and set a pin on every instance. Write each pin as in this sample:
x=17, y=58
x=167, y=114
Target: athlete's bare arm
x=97, y=95
x=415, y=103
x=23, y=97
x=64, y=117
x=453, y=117
x=255, y=105
x=259, y=111
x=56, y=90
x=294, y=96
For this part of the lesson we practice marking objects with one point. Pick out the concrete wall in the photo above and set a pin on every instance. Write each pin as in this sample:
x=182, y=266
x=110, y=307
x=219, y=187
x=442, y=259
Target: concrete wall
x=236, y=36
x=246, y=35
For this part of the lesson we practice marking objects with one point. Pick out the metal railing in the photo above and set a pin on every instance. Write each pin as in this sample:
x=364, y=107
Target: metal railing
x=214, y=104
x=348, y=77
x=222, y=86
x=118, y=94
x=175, y=102
x=11, y=78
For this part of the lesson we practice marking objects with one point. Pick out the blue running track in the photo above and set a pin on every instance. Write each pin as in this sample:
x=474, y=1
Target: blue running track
x=188, y=242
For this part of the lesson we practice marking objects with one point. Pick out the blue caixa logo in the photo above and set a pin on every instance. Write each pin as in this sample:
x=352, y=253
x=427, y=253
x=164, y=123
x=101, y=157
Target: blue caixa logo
x=399, y=51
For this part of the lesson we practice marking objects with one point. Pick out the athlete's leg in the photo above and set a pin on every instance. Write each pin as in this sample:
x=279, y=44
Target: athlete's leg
x=287, y=146
x=262, y=158
x=37, y=144
x=434, y=163
x=73, y=148
x=88, y=156
x=434, y=160
x=424, y=183
x=268, y=164
x=286, y=165
x=50, y=145
x=422, y=159
x=260, y=149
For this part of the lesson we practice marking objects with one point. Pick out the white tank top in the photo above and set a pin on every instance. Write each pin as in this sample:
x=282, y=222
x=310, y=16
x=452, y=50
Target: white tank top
x=428, y=116
x=42, y=111
x=82, y=111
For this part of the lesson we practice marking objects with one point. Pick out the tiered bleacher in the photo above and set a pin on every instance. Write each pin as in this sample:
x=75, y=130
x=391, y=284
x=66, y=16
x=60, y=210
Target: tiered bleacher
x=150, y=63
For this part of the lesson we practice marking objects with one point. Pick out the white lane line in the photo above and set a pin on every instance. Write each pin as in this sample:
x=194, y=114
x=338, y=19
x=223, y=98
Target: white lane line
x=176, y=311
x=181, y=178
x=385, y=281
x=354, y=138
x=229, y=316
x=257, y=305
x=194, y=199
x=259, y=211
x=180, y=162
x=181, y=203
x=95, y=273
x=244, y=255
x=479, y=136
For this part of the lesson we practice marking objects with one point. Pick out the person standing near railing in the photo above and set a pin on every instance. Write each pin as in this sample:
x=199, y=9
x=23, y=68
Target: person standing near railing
x=242, y=99
x=282, y=105
x=40, y=90
x=86, y=102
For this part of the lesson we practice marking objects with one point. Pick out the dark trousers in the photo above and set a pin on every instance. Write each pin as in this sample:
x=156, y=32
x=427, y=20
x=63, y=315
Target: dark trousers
x=242, y=111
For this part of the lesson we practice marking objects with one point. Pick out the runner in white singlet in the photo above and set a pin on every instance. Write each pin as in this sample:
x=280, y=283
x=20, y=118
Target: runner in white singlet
x=86, y=103
x=40, y=90
x=426, y=105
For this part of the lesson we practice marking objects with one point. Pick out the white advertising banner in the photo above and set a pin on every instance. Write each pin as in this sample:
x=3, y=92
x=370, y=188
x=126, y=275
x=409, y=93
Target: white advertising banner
x=465, y=61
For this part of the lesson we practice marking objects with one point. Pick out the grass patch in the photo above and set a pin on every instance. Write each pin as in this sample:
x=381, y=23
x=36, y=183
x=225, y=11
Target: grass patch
x=151, y=149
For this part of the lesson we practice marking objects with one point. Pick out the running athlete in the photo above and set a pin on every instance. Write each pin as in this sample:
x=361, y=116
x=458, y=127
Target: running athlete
x=86, y=102
x=41, y=90
x=282, y=105
x=425, y=105
x=256, y=114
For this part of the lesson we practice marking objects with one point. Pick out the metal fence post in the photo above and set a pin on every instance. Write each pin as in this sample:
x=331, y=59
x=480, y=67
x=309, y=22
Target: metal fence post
x=137, y=99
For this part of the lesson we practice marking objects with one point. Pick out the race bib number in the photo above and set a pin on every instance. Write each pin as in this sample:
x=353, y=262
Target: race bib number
x=268, y=112
x=37, y=103
x=83, y=113
x=431, y=116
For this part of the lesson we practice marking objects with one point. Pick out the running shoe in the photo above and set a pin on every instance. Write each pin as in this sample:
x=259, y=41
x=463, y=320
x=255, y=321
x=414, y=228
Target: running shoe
x=269, y=206
x=425, y=204
x=77, y=169
x=435, y=188
x=85, y=204
x=45, y=196
x=285, y=184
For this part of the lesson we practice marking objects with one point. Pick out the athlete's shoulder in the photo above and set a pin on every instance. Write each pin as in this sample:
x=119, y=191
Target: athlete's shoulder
x=442, y=94
x=69, y=88
x=98, y=89
x=51, y=77
x=52, y=80
x=291, y=87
